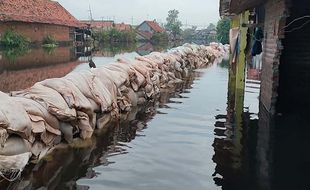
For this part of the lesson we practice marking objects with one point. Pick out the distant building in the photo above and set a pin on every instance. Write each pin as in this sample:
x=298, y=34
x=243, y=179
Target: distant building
x=36, y=19
x=123, y=27
x=99, y=24
x=146, y=30
x=105, y=25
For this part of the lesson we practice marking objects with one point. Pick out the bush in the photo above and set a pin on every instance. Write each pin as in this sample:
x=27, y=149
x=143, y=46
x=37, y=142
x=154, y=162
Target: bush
x=12, y=39
x=49, y=40
x=159, y=38
x=113, y=35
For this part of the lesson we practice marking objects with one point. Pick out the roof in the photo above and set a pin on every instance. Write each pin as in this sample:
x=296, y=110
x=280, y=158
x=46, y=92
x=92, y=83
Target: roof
x=99, y=23
x=36, y=11
x=145, y=34
x=154, y=25
x=230, y=7
x=224, y=7
x=123, y=27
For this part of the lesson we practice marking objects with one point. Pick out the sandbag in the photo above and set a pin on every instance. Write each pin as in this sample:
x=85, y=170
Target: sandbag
x=50, y=99
x=39, y=114
x=71, y=94
x=92, y=88
x=3, y=136
x=13, y=117
x=15, y=145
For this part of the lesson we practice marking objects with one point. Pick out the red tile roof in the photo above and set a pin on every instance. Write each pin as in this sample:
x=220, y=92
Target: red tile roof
x=99, y=23
x=36, y=11
x=123, y=27
x=155, y=26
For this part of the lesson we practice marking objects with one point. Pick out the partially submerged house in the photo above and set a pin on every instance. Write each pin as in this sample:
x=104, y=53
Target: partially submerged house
x=37, y=19
x=286, y=54
x=147, y=29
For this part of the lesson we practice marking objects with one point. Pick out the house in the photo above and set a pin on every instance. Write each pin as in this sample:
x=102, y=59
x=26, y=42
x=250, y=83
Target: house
x=146, y=30
x=103, y=25
x=36, y=19
x=285, y=62
x=123, y=27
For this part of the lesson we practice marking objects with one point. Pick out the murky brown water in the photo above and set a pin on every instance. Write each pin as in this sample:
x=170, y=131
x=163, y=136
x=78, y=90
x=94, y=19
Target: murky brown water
x=202, y=134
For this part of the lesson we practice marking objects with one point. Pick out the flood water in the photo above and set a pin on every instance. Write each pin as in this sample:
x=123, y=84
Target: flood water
x=205, y=133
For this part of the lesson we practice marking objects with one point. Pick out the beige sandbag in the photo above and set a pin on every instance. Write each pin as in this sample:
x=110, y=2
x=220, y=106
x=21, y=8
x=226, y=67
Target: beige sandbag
x=3, y=136
x=13, y=117
x=92, y=88
x=67, y=131
x=72, y=95
x=39, y=115
x=15, y=145
x=149, y=61
x=132, y=97
x=118, y=77
x=49, y=99
x=39, y=150
x=86, y=130
x=12, y=166
x=103, y=121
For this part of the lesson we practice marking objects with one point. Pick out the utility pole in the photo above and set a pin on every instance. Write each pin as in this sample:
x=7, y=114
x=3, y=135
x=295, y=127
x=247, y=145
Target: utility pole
x=90, y=12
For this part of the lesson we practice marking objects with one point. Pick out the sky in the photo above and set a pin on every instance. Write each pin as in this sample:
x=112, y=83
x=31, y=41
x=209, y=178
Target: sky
x=192, y=12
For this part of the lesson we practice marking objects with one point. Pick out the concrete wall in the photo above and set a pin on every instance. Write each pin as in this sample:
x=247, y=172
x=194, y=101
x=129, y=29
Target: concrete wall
x=36, y=32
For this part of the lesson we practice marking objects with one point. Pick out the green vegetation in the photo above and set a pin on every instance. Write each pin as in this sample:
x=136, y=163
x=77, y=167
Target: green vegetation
x=173, y=23
x=222, y=28
x=49, y=42
x=49, y=49
x=11, y=39
x=160, y=38
x=113, y=35
x=12, y=54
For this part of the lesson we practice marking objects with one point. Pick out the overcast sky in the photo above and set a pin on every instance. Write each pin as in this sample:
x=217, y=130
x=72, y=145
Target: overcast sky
x=192, y=12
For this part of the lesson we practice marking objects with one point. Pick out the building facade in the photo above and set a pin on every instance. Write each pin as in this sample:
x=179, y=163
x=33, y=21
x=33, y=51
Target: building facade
x=146, y=30
x=285, y=60
x=37, y=19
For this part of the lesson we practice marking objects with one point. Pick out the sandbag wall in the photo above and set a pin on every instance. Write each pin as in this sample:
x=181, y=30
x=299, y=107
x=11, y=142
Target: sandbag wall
x=34, y=120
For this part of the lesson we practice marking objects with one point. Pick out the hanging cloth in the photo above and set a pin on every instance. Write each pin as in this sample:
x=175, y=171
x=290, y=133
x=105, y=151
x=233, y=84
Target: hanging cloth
x=258, y=38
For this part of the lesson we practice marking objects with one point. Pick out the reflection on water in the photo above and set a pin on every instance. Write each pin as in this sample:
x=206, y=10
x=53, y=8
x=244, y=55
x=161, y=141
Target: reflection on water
x=35, y=65
x=21, y=68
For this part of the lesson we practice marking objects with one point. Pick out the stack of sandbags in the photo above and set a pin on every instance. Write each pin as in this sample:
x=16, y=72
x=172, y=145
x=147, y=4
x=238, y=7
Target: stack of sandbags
x=61, y=109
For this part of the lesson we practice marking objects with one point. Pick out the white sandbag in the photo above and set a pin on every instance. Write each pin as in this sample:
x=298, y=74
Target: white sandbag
x=39, y=115
x=12, y=166
x=71, y=94
x=92, y=88
x=49, y=99
x=15, y=145
x=13, y=117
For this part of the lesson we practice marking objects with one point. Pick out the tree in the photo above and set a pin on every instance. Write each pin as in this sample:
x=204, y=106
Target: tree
x=211, y=27
x=222, y=29
x=173, y=23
